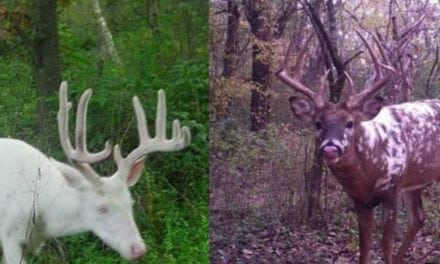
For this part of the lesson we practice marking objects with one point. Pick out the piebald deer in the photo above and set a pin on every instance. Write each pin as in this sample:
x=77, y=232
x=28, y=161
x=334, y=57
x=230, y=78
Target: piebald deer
x=377, y=153
x=42, y=198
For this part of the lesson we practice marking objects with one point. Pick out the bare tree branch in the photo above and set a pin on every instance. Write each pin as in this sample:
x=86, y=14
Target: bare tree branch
x=431, y=73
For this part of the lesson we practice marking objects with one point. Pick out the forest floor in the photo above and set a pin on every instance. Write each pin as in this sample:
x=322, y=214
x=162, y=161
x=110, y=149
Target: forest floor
x=244, y=239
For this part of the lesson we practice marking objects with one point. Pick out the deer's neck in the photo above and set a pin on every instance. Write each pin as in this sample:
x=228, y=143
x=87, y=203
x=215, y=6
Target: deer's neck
x=355, y=173
x=347, y=166
x=63, y=214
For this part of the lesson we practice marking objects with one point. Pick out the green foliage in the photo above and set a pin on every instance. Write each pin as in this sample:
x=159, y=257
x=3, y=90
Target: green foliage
x=17, y=103
x=171, y=197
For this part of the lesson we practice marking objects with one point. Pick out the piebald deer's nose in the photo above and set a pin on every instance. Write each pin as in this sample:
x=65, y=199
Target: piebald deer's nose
x=330, y=152
x=137, y=250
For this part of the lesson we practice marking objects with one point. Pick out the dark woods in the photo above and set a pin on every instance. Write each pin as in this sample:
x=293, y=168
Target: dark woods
x=269, y=187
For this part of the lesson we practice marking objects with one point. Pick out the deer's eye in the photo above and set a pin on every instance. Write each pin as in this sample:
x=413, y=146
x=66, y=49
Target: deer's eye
x=349, y=124
x=103, y=209
x=318, y=125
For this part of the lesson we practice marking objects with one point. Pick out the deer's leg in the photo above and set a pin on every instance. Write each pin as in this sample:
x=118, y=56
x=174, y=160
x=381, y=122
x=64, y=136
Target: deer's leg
x=389, y=227
x=12, y=252
x=413, y=204
x=366, y=222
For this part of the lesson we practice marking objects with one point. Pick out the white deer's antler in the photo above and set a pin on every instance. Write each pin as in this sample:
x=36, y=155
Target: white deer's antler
x=80, y=154
x=82, y=158
x=180, y=139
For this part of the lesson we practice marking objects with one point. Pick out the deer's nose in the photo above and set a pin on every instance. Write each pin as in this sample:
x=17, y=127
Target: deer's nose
x=330, y=152
x=137, y=250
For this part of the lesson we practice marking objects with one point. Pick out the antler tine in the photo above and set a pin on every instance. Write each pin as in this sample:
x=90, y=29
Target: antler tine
x=63, y=120
x=81, y=132
x=142, y=127
x=373, y=57
x=322, y=86
x=381, y=50
x=294, y=81
x=81, y=154
x=180, y=139
x=161, y=116
x=350, y=83
x=299, y=65
x=356, y=99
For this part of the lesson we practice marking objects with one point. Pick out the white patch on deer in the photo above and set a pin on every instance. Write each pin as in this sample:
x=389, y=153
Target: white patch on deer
x=346, y=138
x=334, y=141
x=370, y=133
x=395, y=159
x=417, y=108
x=375, y=129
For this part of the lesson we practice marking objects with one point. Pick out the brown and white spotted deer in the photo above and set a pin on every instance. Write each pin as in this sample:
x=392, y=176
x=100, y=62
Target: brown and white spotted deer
x=377, y=153
x=42, y=198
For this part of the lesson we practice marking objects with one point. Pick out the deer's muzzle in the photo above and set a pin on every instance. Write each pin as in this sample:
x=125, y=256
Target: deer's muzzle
x=330, y=151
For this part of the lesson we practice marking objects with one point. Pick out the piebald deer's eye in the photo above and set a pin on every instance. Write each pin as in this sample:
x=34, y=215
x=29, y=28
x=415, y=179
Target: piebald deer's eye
x=103, y=209
x=318, y=125
x=349, y=124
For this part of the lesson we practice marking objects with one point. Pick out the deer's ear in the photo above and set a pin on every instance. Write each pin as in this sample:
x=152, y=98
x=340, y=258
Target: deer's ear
x=372, y=107
x=73, y=177
x=302, y=108
x=135, y=172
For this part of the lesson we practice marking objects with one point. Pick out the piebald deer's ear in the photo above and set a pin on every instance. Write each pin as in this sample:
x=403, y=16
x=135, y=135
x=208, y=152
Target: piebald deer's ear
x=372, y=107
x=303, y=109
x=135, y=172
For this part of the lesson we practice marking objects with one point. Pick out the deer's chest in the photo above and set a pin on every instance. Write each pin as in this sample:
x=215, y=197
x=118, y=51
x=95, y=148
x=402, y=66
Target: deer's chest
x=372, y=174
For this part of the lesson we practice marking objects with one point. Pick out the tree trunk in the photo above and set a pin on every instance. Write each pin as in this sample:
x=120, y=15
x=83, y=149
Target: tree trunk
x=258, y=15
x=152, y=16
x=314, y=175
x=46, y=58
x=231, y=44
x=106, y=34
x=336, y=89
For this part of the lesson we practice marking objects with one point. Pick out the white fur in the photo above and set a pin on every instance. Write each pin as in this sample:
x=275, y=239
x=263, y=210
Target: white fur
x=336, y=142
x=42, y=198
x=377, y=131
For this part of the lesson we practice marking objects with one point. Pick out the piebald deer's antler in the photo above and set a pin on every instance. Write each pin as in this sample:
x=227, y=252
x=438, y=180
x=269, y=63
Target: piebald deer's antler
x=381, y=79
x=294, y=80
x=354, y=100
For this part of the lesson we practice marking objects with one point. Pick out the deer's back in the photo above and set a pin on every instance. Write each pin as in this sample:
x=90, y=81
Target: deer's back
x=403, y=142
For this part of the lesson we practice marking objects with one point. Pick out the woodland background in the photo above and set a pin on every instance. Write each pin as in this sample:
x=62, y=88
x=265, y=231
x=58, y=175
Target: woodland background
x=118, y=48
x=271, y=198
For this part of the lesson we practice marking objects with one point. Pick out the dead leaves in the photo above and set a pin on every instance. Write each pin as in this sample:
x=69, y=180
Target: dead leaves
x=244, y=240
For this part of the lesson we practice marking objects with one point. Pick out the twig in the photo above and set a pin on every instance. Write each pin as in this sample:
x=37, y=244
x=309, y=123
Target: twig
x=352, y=58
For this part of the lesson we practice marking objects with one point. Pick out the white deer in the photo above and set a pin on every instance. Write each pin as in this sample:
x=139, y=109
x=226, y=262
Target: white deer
x=42, y=198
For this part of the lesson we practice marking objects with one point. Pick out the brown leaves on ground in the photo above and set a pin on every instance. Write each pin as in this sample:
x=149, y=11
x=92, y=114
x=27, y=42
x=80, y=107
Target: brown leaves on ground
x=249, y=240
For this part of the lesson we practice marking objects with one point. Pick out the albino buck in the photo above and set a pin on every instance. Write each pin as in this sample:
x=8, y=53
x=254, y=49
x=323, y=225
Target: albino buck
x=377, y=153
x=42, y=198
